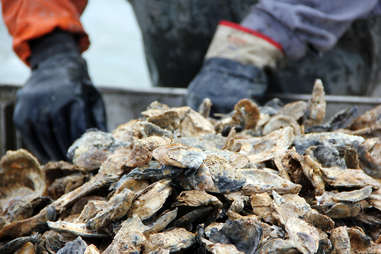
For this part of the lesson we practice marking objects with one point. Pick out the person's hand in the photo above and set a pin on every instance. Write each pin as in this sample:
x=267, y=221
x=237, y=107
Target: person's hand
x=58, y=102
x=233, y=68
x=225, y=82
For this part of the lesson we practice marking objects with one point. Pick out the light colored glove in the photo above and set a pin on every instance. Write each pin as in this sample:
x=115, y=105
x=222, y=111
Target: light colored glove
x=244, y=45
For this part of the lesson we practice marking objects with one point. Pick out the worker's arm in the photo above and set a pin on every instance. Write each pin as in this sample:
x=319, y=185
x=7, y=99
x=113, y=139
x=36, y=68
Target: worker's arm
x=58, y=102
x=289, y=26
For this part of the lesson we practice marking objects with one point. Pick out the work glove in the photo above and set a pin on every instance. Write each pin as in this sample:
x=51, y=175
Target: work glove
x=234, y=68
x=58, y=102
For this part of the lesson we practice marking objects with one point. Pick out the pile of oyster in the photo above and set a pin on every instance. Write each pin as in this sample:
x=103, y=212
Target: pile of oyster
x=271, y=179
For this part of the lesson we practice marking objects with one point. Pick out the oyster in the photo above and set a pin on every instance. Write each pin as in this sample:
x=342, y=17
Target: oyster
x=296, y=110
x=277, y=245
x=303, y=142
x=184, y=119
x=305, y=237
x=267, y=147
x=340, y=240
x=238, y=201
x=76, y=246
x=243, y=233
x=281, y=121
x=368, y=119
x=179, y=156
x=117, y=207
x=262, y=205
x=353, y=196
x=92, y=149
x=338, y=177
x=258, y=181
x=21, y=182
x=79, y=229
x=172, y=240
x=130, y=237
x=194, y=216
x=340, y=120
x=205, y=107
x=151, y=199
x=246, y=114
x=197, y=198
x=359, y=240
x=28, y=248
x=15, y=244
x=91, y=249
x=66, y=184
x=162, y=222
x=316, y=105
x=52, y=241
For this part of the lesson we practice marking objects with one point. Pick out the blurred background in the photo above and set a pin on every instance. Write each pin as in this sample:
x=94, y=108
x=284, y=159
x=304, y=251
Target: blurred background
x=115, y=57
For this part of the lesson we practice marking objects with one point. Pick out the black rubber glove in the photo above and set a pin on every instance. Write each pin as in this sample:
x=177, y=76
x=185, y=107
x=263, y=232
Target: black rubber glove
x=58, y=102
x=225, y=82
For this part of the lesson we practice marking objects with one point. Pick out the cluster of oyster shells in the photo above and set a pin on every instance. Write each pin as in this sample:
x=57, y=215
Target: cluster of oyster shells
x=271, y=179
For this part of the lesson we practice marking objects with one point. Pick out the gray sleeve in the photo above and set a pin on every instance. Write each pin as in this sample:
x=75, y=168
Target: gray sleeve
x=295, y=24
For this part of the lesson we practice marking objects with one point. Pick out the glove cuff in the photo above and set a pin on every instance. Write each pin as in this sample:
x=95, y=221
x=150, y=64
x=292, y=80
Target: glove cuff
x=58, y=43
x=244, y=45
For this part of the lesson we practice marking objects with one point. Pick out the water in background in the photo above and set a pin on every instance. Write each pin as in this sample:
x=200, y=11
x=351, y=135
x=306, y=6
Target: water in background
x=115, y=57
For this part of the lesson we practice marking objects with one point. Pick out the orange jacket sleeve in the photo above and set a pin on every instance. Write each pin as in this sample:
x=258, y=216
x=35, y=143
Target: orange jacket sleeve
x=30, y=19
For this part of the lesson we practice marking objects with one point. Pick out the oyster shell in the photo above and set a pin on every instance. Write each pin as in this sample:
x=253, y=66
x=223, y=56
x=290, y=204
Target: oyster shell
x=76, y=246
x=316, y=105
x=303, y=142
x=340, y=120
x=28, y=248
x=266, y=148
x=280, y=121
x=130, y=237
x=197, y=198
x=246, y=114
x=340, y=240
x=91, y=249
x=338, y=177
x=162, y=222
x=258, y=181
x=66, y=184
x=184, y=119
x=305, y=237
x=238, y=201
x=179, y=156
x=52, y=241
x=117, y=207
x=262, y=205
x=277, y=245
x=21, y=182
x=368, y=119
x=173, y=240
x=296, y=110
x=92, y=149
x=205, y=107
x=78, y=229
x=244, y=233
x=151, y=199
x=353, y=196
x=15, y=244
